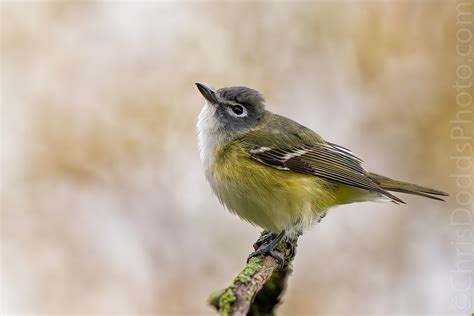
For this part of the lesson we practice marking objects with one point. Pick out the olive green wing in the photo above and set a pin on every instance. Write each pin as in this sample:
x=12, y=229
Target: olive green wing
x=298, y=149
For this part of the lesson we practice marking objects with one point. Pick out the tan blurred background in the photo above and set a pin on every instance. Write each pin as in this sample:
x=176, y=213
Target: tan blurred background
x=105, y=208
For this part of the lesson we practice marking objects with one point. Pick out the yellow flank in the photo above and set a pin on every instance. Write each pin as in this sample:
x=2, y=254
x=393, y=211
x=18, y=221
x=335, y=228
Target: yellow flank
x=268, y=197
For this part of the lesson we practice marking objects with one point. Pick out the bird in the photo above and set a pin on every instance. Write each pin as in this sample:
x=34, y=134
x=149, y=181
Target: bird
x=278, y=174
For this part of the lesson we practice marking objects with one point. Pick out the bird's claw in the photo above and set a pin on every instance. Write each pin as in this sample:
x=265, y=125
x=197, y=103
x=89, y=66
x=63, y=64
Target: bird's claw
x=263, y=239
x=268, y=252
x=268, y=248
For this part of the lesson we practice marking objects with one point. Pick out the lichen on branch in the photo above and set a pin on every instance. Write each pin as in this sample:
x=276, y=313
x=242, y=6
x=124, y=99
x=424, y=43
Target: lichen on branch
x=258, y=288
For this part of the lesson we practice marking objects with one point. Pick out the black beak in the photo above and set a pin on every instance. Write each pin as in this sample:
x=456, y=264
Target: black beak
x=207, y=92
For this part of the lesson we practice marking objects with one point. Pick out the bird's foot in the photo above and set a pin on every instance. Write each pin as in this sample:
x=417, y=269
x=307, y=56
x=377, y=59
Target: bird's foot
x=263, y=239
x=266, y=251
x=265, y=248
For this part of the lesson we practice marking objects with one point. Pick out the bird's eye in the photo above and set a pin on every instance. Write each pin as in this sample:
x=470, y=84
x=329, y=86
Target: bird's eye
x=238, y=109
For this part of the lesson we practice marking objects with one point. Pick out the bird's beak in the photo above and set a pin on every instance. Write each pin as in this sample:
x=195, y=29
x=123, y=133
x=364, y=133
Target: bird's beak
x=208, y=93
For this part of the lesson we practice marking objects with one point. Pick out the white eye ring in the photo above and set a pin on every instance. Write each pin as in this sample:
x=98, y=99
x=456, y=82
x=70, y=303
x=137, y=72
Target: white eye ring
x=237, y=110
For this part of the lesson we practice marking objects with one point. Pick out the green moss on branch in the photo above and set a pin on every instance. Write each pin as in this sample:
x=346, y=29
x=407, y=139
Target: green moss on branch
x=258, y=288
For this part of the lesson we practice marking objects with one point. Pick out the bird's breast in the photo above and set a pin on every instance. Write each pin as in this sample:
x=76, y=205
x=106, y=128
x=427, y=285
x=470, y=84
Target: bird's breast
x=267, y=197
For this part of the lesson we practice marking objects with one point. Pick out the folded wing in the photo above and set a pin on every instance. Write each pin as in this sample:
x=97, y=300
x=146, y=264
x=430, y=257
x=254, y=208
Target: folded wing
x=325, y=160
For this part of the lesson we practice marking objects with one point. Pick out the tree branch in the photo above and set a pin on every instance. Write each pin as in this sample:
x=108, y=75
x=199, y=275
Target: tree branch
x=258, y=288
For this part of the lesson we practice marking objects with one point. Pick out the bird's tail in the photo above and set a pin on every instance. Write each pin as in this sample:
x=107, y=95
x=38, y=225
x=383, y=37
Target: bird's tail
x=405, y=187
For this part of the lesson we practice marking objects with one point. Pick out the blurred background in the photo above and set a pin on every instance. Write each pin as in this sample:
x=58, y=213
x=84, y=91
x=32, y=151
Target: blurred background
x=105, y=208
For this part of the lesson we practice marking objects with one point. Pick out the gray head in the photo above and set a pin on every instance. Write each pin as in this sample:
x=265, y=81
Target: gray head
x=236, y=109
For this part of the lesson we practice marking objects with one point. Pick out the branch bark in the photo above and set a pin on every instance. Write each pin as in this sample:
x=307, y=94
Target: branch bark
x=259, y=287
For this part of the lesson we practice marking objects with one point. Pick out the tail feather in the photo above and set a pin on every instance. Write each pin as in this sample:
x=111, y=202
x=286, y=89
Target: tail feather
x=405, y=187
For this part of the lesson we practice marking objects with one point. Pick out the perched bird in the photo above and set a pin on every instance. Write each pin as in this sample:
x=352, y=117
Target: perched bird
x=276, y=173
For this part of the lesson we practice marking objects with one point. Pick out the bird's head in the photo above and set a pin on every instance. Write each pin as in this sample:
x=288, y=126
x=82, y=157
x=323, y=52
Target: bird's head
x=234, y=109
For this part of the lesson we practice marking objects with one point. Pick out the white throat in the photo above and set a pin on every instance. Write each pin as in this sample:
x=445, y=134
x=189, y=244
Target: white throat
x=210, y=135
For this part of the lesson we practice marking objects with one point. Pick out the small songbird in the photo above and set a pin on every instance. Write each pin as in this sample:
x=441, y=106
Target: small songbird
x=278, y=174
